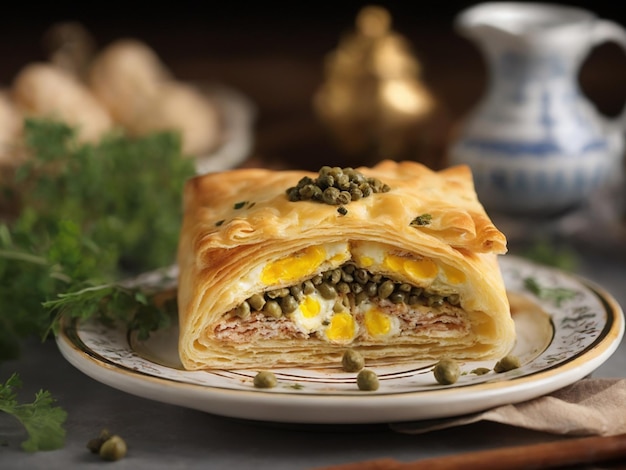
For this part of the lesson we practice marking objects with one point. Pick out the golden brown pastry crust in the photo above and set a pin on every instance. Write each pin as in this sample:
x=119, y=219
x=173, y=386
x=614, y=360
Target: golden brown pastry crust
x=236, y=221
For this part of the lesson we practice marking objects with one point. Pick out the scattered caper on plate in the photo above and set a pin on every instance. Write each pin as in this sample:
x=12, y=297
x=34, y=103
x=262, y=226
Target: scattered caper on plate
x=480, y=371
x=367, y=380
x=265, y=379
x=508, y=362
x=447, y=371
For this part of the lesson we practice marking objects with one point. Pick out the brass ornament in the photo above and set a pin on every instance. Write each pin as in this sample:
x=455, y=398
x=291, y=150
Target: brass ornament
x=372, y=102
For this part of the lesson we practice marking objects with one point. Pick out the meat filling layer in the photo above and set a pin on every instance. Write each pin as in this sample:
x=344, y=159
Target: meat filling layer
x=344, y=305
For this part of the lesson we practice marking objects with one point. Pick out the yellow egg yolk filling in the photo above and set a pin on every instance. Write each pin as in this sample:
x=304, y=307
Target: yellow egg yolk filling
x=377, y=323
x=310, y=307
x=342, y=328
x=293, y=267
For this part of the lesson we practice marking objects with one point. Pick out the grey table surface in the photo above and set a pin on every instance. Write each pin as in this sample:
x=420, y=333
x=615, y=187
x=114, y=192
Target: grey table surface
x=162, y=436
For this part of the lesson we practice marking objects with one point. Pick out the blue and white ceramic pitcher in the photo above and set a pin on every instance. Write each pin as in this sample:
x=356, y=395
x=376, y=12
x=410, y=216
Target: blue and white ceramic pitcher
x=534, y=142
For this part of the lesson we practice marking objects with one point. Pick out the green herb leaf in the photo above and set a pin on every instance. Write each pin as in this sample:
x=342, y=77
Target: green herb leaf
x=88, y=216
x=42, y=420
x=421, y=220
x=556, y=294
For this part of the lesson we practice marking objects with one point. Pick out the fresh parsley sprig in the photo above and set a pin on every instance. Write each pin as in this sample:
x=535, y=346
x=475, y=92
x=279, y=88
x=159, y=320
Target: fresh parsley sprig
x=87, y=216
x=42, y=419
x=80, y=219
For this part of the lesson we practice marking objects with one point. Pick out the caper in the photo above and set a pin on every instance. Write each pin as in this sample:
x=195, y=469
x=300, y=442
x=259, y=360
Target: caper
x=308, y=287
x=327, y=291
x=317, y=279
x=256, y=302
x=308, y=191
x=335, y=171
x=371, y=289
x=397, y=297
x=288, y=304
x=367, y=380
x=349, y=268
x=114, y=448
x=447, y=371
x=344, y=197
x=272, y=309
x=435, y=301
x=330, y=196
x=346, y=276
x=296, y=292
x=454, y=299
x=333, y=276
x=361, y=276
x=385, y=188
x=94, y=444
x=413, y=299
x=317, y=193
x=265, y=379
x=418, y=291
x=365, y=189
x=293, y=194
x=243, y=310
x=351, y=172
x=343, y=287
x=326, y=181
x=374, y=183
x=356, y=288
x=508, y=362
x=404, y=287
x=352, y=361
x=325, y=170
x=356, y=194
x=480, y=371
x=342, y=181
x=338, y=307
x=360, y=297
x=385, y=289
x=377, y=278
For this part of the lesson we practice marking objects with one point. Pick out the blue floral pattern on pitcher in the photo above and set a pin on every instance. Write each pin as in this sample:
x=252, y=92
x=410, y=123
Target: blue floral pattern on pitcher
x=535, y=143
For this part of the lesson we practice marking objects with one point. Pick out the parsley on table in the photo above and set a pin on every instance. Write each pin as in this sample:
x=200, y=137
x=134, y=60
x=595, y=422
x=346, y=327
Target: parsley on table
x=82, y=218
x=42, y=420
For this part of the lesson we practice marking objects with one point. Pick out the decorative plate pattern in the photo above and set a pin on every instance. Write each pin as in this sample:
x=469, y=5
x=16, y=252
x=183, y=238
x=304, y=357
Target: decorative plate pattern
x=566, y=328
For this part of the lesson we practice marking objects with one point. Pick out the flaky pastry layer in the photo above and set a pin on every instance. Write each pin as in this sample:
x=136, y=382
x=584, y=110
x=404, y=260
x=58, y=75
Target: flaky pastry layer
x=240, y=229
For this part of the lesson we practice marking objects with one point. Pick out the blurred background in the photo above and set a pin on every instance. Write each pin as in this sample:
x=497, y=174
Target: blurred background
x=273, y=54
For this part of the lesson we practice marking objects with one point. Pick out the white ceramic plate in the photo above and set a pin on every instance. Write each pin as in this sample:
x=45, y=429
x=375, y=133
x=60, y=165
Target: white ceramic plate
x=563, y=336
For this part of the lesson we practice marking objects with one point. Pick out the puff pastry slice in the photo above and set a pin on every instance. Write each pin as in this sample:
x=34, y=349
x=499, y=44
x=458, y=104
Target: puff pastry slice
x=405, y=272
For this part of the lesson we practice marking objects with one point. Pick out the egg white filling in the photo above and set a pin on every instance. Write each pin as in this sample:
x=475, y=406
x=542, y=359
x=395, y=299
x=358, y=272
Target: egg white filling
x=422, y=299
